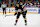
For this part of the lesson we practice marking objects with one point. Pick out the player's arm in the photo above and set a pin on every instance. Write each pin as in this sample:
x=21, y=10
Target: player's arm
x=15, y=12
x=1, y=6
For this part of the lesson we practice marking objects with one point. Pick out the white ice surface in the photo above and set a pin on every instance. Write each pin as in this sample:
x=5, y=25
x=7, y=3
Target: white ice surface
x=33, y=20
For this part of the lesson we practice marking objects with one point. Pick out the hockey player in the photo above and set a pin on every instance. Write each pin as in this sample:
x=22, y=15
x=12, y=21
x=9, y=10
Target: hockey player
x=4, y=7
x=19, y=10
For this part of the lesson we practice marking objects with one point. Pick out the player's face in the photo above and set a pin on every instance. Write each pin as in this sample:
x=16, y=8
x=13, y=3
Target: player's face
x=17, y=5
x=3, y=2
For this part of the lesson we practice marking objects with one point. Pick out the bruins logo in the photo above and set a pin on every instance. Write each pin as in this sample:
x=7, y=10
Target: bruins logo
x=19, y=10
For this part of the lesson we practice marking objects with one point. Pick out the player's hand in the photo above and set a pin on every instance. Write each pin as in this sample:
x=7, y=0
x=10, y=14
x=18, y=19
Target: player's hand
x=15, y=14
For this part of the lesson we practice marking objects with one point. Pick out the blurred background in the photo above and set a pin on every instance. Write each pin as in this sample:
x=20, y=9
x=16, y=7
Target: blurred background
x=27, y=3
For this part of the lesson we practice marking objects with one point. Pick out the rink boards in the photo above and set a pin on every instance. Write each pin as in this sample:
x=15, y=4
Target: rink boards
x=30, y=10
